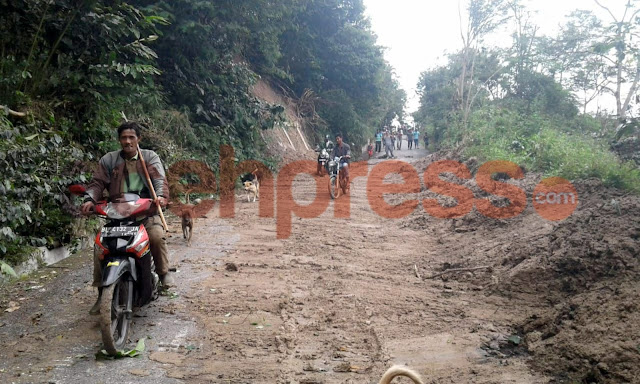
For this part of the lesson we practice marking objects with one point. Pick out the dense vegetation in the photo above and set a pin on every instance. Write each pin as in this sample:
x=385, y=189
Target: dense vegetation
x=529, y=102
x=185, y=68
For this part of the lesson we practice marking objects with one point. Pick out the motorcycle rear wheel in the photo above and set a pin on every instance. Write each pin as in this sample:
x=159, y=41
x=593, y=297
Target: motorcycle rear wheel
x=116, y=300
x=334, y=191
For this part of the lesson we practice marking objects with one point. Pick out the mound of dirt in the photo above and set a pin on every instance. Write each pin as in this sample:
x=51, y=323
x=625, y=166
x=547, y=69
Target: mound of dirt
x=576, y=280
x=589, y=275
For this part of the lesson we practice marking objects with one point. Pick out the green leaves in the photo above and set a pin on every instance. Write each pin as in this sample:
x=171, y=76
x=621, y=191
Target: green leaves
x=133, y=70
x=141, y=50
x=137, y=351
x=37, y=166
x=154, y=19
x=515, y=339
x=6, y=269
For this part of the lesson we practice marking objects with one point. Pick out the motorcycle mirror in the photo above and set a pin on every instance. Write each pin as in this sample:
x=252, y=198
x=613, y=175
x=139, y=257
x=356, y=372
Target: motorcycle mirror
x=77, y=189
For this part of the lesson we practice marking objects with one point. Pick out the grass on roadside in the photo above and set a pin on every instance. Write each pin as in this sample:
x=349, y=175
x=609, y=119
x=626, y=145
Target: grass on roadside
x=553, y=152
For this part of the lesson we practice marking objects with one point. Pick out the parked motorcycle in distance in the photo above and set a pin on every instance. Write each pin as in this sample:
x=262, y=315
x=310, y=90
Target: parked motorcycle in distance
x=323, y=159
x=128, y=273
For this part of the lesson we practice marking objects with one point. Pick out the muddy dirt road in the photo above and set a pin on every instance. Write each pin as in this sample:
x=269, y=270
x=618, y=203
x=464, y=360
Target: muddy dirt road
x=339, y=301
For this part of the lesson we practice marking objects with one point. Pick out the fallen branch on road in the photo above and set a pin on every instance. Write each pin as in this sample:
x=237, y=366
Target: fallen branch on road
x=458, y=270
x=12, y=112
x=415, y=268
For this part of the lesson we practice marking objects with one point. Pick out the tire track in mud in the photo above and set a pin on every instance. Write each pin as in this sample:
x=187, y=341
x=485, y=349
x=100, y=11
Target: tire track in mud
x=237, y=318
x=335, y=335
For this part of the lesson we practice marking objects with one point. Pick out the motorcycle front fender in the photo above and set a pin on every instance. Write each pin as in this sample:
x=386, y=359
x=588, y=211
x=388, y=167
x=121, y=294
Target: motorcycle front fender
x=115, y=267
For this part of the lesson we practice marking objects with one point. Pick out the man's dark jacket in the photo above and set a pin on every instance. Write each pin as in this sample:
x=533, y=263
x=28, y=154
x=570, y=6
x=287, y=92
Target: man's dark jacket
x=111, y=171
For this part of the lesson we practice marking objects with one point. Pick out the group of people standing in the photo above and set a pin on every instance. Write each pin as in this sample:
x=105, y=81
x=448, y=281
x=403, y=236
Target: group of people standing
x=393, y=140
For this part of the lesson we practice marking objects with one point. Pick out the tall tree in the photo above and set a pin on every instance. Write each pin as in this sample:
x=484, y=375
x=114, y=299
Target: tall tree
x=329, y=47
x=619, y=45
x=570, y=60
x=482, y=17
x=524, y=36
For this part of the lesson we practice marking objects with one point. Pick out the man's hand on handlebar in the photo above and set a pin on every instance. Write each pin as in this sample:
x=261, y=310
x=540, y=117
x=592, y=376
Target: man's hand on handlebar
x=87, y=208
x=162, y=201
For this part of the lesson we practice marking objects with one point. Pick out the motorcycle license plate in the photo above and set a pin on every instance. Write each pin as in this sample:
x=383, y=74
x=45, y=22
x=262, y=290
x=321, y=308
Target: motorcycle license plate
x=119, y=231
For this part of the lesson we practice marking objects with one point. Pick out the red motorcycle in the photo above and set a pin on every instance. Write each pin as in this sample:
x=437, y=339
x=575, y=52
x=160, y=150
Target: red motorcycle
x=128, y=272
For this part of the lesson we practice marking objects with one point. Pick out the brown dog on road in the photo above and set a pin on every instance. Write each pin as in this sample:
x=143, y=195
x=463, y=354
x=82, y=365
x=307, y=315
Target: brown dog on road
x=251, y=182
x=187, y=222
x=253, y=189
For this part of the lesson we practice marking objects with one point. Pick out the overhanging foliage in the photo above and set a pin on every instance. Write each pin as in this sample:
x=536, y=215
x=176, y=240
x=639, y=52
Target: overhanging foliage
x=183, y=67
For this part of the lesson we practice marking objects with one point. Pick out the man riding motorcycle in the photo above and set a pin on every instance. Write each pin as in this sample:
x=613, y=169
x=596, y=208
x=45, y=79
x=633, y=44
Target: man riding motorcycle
x=344, y=151
x=328, y=147
x=328, y=144
x=121, y=172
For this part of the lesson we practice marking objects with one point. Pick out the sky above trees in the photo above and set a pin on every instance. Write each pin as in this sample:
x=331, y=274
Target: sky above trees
x=417, y=33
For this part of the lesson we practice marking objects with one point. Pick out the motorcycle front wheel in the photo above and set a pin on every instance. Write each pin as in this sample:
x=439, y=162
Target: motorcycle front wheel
x=116, y=302
x=333, y=187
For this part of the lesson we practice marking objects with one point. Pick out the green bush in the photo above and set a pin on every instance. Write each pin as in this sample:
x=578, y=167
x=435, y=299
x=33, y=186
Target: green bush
x=538, y=143
x=38, y=165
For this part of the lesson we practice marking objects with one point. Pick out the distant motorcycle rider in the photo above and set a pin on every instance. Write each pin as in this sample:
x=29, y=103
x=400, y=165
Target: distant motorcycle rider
x=328, y=144
x=342, y=150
